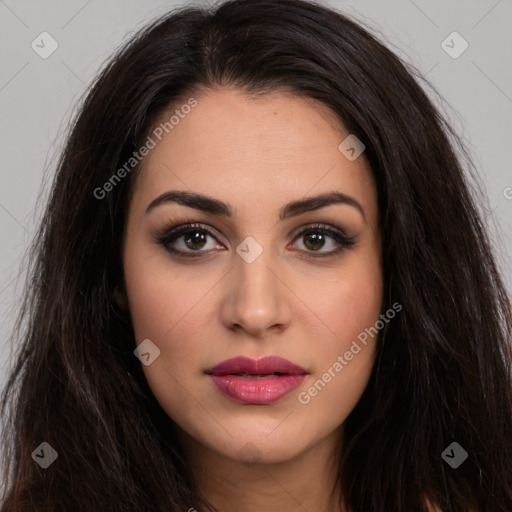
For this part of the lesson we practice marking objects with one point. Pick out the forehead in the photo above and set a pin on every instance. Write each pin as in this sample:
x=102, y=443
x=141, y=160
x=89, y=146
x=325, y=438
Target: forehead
x=252, y=151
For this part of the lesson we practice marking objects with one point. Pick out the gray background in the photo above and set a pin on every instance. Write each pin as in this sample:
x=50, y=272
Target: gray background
x=37, y=98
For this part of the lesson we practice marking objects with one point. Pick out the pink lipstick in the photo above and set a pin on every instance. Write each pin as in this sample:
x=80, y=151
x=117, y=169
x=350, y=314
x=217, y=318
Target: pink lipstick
x=256, y=381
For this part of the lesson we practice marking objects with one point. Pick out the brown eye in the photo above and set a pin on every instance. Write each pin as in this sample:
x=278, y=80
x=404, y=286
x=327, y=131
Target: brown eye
x=191, y=239
x=314, y=241
x=314, y=238
x=195, y=240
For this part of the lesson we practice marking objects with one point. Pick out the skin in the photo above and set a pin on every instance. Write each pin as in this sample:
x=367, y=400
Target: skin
x=257, y=155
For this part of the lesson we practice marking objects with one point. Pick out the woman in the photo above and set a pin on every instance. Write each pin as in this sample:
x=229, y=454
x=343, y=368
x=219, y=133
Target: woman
x=261, y=283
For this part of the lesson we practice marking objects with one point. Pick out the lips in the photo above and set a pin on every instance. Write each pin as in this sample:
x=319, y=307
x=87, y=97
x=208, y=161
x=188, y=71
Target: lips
x=256, y=381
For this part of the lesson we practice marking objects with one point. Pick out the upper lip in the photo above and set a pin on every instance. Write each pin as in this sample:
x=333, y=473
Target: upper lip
x=262, y=366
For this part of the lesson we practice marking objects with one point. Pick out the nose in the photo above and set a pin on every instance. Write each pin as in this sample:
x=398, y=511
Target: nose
x=256, y=298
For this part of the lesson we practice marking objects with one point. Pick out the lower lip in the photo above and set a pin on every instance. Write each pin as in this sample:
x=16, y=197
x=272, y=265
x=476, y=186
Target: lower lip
x=256, y=391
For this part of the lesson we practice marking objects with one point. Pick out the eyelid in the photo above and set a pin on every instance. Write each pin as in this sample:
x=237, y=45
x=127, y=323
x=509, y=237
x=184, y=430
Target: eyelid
x=173, y=228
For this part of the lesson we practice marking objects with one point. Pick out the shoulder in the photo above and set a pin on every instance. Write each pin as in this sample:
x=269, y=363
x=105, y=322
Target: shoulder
x=432, y=507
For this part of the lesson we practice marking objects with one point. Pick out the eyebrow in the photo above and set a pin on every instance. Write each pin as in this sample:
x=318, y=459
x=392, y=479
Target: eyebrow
x=216, y=207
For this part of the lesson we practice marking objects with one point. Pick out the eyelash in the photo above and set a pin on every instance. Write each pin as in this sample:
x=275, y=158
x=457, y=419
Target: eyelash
x=169, y=234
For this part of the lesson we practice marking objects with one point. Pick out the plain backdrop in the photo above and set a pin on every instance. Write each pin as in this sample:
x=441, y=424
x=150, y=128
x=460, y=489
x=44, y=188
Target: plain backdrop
x=37, y=97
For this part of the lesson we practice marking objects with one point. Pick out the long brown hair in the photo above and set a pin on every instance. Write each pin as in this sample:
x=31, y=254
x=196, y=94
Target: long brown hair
x=443, y=366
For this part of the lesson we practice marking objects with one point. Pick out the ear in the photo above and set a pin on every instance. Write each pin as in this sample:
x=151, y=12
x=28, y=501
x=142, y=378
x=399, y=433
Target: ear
x=120, y=297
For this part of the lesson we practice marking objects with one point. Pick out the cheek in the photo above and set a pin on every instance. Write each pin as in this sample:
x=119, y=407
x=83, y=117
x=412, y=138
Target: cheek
x=160, y=296
x=358, y=304
x=164, y=308
x=350, y=307
x=168, y=306
x=348, y=303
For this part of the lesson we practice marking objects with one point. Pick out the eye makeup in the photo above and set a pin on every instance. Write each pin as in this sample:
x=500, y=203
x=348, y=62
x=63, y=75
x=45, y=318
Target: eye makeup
x=198, y=233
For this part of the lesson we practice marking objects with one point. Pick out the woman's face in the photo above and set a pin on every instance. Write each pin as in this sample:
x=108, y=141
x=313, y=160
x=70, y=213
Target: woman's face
x=254, y=287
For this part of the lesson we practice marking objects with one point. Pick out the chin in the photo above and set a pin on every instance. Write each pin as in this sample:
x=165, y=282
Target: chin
x=258, y=447
x=253, y=452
